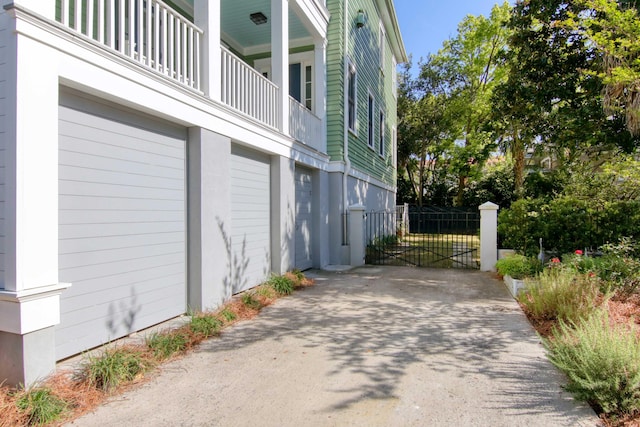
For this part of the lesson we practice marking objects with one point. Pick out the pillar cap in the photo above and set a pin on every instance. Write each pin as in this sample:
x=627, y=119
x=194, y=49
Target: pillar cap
x=488, y=206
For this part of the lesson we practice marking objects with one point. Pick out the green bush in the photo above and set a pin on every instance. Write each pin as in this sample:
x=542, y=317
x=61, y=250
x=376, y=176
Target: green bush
x=520, y=227
x=566, y=223
x=518, y=266
x=41, y=406
x=281, y=284
x=560, y=294
x=619, y=267
x=114, y=367
x=602, y=363
x=166, y=344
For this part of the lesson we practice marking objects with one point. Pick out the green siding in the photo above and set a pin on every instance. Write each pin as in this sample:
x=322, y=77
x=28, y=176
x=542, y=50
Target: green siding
x=362, y=50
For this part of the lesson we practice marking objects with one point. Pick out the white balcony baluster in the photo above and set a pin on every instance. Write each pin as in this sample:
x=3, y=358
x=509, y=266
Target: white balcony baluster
x=247, y=91
x=148, y=31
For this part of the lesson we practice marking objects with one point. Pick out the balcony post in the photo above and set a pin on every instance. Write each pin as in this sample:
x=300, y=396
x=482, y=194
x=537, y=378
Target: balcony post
x=320, y=83
x=207, y=17
x=280, y=58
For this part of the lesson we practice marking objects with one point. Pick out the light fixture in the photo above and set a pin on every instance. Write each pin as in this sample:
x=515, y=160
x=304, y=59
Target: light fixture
x=360, y=19
x=258, y=18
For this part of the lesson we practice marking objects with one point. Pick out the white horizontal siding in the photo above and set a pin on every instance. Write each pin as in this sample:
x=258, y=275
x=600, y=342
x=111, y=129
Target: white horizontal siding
x=250, y=213
x=304, y=219
x=121, y=223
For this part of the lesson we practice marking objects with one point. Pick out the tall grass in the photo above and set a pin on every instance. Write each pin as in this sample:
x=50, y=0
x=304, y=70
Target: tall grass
x=560, y=294
x=115, y=366
x=41, y=406
x=601, y=361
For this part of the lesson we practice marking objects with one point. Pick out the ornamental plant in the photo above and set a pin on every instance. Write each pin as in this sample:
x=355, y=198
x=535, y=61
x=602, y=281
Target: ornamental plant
x=518, y=266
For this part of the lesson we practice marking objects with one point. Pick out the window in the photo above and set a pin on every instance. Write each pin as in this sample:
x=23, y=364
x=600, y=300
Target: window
x=381, y=46
x=381, y=134
x=308, y=88
x=352, y=96
x=370, y=139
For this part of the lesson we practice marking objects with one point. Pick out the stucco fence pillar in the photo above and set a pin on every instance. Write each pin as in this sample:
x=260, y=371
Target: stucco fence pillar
x=356, y=236
x=488, y=236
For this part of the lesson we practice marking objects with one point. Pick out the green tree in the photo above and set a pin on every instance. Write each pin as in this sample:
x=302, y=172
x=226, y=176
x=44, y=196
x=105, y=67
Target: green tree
x=553, y=91
x=614, y=29
x=465, y=71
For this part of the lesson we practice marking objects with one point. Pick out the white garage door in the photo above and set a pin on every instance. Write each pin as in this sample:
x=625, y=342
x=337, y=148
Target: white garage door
x=250, y=213
x=121, y=223
x=304, y=196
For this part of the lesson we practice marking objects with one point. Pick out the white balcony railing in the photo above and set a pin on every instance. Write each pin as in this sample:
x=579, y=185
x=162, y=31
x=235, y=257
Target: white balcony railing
x=304, y=126
x=148, y=31
x=246, y=90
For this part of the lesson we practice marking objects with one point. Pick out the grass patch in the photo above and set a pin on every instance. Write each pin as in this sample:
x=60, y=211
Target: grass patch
x=560, y=294
x=205, y=325
x=250, y=301
x=115, y=367
x=601, y=361
x=228, y=315
x=283, y=285
x=40, y=405
x=166, y=344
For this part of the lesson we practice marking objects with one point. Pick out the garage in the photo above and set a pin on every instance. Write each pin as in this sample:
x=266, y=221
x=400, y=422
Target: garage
x=251, y=219
x=304, y=221
x=122, y=226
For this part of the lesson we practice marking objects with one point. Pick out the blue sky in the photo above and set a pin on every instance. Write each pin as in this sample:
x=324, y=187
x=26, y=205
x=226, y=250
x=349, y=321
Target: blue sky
x=425, y=24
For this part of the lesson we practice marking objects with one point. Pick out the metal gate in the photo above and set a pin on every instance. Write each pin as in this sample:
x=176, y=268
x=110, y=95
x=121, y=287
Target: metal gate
x=424, y=237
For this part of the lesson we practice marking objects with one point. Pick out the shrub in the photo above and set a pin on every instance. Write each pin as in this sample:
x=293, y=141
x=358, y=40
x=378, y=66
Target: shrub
x=205, y=325
x=40, y=405
x=114, y=367
x=560, y=294
x=518, y=266
x=281, y=284
x=602, y=362
x=520, y=226
x=165, y=345
x=619, y=268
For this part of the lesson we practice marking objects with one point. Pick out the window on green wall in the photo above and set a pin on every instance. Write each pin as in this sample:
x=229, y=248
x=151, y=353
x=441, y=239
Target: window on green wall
x=381, y=134
x=351, y=94
x=370, y=117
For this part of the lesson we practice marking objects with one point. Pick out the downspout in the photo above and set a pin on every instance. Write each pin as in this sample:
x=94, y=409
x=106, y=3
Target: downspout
x=347, y=162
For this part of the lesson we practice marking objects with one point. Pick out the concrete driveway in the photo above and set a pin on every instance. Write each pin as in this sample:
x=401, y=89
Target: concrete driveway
x=376, y=346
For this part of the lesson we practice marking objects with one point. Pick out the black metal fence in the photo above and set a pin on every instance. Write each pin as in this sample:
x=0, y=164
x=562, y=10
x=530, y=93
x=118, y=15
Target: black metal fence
x=424, y=237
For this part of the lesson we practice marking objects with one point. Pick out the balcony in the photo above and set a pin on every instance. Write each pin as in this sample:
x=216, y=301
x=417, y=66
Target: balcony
x=164, y=40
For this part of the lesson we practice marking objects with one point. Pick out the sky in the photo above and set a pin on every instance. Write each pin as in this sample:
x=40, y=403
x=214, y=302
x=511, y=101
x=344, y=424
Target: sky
x=425, y=24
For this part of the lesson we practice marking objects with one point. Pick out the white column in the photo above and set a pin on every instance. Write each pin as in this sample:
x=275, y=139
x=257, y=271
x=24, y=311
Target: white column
x=320, y=83
x=356, y=235
x=280, y=58
x=488, y=236
x=29, y=288
x=283, y=201
x=207, y=17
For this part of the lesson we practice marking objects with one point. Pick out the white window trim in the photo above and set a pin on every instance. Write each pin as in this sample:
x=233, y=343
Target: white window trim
x=351, y=67
x=382, y=127
x=382, y=43
x=371, y=121
x=394, y=146
x=394, y=77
